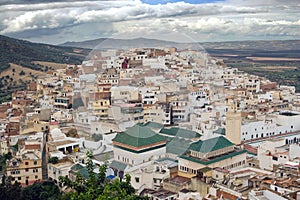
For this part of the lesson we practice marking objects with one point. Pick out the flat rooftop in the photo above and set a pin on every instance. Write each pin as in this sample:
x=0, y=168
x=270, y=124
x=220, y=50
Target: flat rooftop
x=63, y=142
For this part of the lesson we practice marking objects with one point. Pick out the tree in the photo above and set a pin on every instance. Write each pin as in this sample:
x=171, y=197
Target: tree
x=98, y=187
x=22, y=73
x=9, y=190
x=53, y=160
x=42, y=191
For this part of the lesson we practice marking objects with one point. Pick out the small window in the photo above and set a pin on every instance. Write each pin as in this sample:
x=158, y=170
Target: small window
x=137, y=179
x=35, y=162
x=36, y=177
x=26, y=170
x=26, y=163
x=19, y=178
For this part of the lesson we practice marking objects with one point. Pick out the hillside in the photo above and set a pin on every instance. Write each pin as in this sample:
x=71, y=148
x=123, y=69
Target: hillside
x=22, y=61
x=23, y=53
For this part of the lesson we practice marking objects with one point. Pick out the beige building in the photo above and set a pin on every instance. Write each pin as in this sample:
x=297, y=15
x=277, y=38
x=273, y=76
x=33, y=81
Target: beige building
x=211, y=153
x=34, y=126
x=26, y=168
x=233, y=126
x=3, y=146
x=61, y=168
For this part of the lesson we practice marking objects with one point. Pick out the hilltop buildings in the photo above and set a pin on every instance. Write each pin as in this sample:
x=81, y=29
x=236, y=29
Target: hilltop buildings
x=180, y=123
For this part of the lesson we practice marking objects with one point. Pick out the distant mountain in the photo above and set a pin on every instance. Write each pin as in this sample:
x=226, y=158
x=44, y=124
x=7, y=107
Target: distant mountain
x=23, y=53
x=110, y=43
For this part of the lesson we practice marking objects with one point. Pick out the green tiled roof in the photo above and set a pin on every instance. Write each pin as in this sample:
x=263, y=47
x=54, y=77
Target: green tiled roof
x=212, y=144
x=84, y=173
x=76, y=167
x=153, y=125
x=221, y=131
x=138, y=136
x=180, y=132
x=81, y=170
x=217, y=159
x=178, y=146
x=118, y=165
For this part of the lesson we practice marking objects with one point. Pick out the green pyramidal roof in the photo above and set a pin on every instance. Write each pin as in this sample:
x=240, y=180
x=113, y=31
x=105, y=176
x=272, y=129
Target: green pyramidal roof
x=212, y=144
x=138, y=136
x=180, y=132
x=140, y=131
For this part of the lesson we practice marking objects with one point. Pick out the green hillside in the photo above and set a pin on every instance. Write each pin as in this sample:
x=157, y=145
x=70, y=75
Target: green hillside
x=23, y=53
x=22, y=62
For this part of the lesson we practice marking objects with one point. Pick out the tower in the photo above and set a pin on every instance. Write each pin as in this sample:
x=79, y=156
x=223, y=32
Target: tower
x=233, y=124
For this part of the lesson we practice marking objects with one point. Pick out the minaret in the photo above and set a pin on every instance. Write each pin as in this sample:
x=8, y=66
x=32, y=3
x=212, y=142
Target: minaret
x=233, y=124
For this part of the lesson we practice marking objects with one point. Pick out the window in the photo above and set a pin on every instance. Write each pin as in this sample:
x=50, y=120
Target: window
x=19, y=178
x=26, y=170
x=26, y=163
x=137, y=179
x=36, y=177
x=35, y=162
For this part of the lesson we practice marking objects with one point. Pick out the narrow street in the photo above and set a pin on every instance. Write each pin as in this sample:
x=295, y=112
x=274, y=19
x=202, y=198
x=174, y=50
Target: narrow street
x=44, y=157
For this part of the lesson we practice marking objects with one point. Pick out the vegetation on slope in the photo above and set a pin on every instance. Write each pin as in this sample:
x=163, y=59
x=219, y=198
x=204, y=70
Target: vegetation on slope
x=22, y=61
x=96, y=187
x=24, y=53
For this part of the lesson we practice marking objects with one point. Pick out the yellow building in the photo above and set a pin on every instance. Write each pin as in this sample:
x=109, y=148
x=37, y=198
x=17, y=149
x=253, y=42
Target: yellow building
x=233, y=126
x=25, y=169
x=100, y=107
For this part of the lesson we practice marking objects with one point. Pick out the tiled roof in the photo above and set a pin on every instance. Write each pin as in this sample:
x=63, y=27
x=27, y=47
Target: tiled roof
x=118, y=165
x=138, y=136
x=76, y=167
x=177, y=146
x=217, y=159
x=153, y=125
x=212, y=144
x=221, y=131
x=179, y=132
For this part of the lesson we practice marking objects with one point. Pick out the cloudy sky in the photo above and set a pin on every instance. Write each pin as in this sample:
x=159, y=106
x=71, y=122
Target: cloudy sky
x=58, y=21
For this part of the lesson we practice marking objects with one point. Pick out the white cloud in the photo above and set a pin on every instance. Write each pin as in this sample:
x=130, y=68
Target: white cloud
x=131, y=17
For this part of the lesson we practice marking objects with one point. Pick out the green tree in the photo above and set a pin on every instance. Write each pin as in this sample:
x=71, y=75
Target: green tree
x=98, y=187
x=22, y=73
x=53, y=160
x=42, y=191
x=9, y=190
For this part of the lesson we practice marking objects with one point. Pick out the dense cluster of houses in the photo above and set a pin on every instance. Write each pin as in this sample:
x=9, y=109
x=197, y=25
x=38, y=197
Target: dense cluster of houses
x=180, y=123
